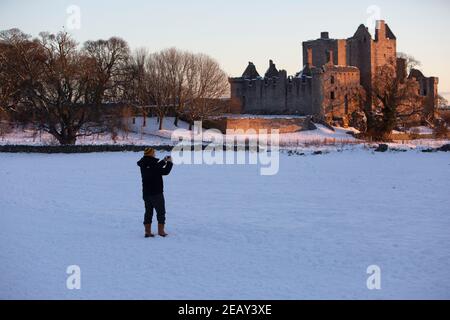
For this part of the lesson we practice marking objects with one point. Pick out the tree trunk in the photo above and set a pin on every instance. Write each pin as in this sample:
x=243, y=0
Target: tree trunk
x=144, y=118
x=175, y=121
x=161, y=120
x=66, y=140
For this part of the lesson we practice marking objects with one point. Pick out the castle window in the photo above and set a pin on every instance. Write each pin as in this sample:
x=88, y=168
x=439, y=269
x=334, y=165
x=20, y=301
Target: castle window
x=332, y=95
x=332, y=79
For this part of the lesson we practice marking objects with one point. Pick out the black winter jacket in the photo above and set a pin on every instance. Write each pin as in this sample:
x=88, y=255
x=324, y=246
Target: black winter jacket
x=152, y=171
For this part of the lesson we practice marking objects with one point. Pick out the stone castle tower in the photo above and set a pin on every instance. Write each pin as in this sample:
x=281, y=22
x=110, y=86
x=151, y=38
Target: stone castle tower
x=336, y=74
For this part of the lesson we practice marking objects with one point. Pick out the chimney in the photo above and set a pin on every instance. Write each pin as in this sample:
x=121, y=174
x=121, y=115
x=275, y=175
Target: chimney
x=324, y=35
x=380, y=32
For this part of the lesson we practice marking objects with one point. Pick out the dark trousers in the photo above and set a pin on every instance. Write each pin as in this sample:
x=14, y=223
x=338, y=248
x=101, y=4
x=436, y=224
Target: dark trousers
x=155, y=202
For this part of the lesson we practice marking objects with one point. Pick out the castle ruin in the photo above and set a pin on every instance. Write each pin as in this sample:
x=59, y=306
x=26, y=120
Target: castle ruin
x=335, y=81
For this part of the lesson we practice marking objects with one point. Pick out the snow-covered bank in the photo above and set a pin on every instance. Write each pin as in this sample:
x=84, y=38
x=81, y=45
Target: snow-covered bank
x=310, y=231
x=320, y=139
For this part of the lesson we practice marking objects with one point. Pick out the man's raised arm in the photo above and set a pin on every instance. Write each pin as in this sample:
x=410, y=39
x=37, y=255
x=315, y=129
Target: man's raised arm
x=165, y=166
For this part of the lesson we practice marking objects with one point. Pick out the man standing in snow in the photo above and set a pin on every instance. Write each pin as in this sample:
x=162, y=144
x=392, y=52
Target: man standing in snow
x=152, y=171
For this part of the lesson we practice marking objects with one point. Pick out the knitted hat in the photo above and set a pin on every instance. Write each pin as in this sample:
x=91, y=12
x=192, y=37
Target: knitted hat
x=149, y=152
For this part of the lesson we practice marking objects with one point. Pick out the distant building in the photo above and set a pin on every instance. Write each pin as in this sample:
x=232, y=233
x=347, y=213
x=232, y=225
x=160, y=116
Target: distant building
x=336, y=78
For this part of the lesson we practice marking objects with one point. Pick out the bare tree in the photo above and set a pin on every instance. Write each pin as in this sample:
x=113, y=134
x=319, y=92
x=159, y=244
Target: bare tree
x=189, y=84
x=5, y=125
x=158, y=85
x=206, y=84
x=17, y=67
x=411, y=62
x=442, y=102
x=62, y=89
x=136, y=90
x=395, y=97
x=52, y=83
x=110, y=65
x=178, y=63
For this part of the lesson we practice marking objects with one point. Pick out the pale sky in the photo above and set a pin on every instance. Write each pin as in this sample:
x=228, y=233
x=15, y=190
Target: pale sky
x=237, y=31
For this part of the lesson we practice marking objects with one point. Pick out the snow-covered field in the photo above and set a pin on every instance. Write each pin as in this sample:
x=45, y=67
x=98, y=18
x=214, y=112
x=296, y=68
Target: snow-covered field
x=310, y=231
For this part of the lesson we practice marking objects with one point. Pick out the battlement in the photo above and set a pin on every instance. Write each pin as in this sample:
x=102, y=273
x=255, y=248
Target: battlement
x=275, y=92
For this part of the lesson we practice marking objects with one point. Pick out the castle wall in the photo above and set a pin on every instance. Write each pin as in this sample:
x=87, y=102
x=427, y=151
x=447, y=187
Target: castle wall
x=384, y=48
x=321, y=49
x=341, y=52
x=368, y=54
x=433, y=95
x=307, y=95
x=341, y=91
x=274, y=95
x=317, y=95
x=428, y=90
x=359, y=54
x=299, y=95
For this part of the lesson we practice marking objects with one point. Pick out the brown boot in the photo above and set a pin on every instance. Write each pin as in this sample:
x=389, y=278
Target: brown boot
x=148, y=231
x=161, y=231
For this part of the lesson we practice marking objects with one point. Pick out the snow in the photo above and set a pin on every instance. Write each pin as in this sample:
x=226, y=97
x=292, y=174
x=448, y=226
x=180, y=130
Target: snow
x=309, y=232
x=320, y=139
x=256, y=116
x=29, y=137
x=421, y=130
x=322, y=135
